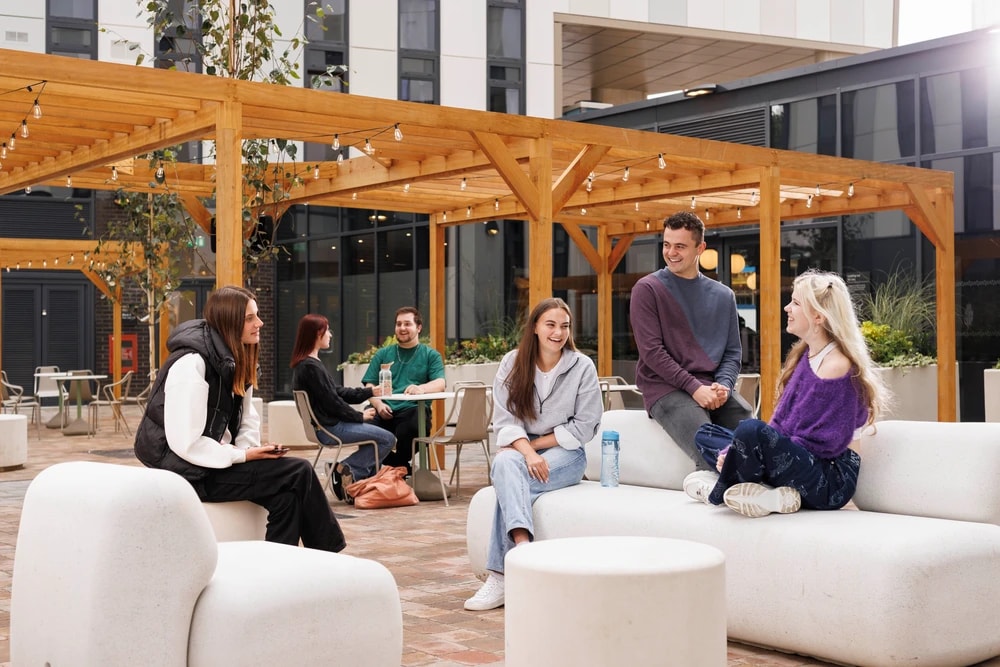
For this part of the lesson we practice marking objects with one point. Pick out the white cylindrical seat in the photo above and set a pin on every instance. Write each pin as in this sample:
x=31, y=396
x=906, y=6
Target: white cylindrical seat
x=609, y=601
x=285, y=426
x=13, y=441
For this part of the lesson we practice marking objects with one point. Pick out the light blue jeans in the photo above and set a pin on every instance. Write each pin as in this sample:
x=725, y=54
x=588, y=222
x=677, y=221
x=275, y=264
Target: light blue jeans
x=516, y=492
x=362, y=462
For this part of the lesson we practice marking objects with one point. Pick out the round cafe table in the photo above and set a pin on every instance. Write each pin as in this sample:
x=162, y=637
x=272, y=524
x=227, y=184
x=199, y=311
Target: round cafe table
x=79, y=426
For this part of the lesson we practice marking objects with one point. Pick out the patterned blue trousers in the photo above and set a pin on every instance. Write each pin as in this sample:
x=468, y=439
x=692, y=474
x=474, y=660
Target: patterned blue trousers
x=761, y=454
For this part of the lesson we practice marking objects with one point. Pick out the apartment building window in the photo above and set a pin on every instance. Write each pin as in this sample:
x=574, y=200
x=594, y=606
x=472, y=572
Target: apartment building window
x=419, y=51
x=71, y=28
x=326, y=63
x=505, y=56
x=177, y=48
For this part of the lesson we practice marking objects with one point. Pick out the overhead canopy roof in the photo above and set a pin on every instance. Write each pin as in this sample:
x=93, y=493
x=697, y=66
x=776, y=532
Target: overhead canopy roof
x=96, y=115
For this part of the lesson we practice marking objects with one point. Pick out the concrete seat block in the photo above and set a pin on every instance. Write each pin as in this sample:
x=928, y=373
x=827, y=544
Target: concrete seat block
x=105, y=553
x=285, y=426
x=273, y=604
x=237, y=520
x=13, y=441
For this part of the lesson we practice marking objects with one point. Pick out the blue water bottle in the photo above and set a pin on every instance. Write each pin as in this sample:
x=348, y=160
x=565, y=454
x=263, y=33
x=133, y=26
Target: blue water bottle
x=609, y=458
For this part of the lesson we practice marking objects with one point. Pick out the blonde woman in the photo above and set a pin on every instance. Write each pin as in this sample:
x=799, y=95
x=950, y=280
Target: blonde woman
x=827, y=390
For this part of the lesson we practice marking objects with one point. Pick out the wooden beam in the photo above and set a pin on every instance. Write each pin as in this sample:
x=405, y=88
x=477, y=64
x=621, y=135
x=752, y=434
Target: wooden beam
x=198, y=212
x=229, y=196
x=540, y=225
x=582, y=241
x=574, y=175
x=944, y=262
x=526, y=191
x=605, y=289
x=769, y=278
x=618, y=253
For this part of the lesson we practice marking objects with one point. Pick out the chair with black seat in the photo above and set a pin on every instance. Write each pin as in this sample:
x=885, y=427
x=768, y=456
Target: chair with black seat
x=472, y=413
x=311, y=425
x=114, y=394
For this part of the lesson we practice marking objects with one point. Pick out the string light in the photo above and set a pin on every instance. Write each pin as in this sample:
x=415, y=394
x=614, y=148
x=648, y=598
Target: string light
x=354, y=195
x=754, y=198
x=316, y=172
x=625, y=176
x=114, y=173
x=13, y=141
x=45, y=263
x=468, y=212
x=739, y=213
x=444, y=216
x=36, y=110
x=56, y=262
x=340, y=158
x=464, y=185
x=660, y=162
x=496, y=204
x=160, y=175
x=24, y=129
x=406, y=187
x=637, y=207
x=336, y=142
x=694, y=202
x=590, y=183
x=368, y=147
x=69, y=181
x=27, y=189
x=708, y=214
x=397, y=133
x=850, y=190
x=809, y=201
x=583, y=211
x=817, y=190
x=3, y=151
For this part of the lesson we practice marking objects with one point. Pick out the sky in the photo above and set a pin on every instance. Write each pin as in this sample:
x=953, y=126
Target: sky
x=920, y=20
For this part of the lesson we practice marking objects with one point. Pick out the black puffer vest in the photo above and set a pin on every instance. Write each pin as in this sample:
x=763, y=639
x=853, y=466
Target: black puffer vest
x=224, y=407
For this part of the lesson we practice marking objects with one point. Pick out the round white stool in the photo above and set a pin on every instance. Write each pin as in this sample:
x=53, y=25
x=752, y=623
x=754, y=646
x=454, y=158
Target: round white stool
x=610, y=601
x=13, y=441
x=285, y=426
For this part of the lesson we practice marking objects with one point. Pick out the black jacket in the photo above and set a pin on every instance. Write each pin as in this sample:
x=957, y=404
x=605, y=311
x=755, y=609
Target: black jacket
x=224, y=407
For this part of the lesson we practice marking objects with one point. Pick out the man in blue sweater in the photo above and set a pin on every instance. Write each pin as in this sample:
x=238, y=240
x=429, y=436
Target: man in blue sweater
x=687, y=330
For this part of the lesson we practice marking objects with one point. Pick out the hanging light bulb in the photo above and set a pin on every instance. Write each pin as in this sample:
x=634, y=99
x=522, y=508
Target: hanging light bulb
x=160, y=175
x=850, y=190
x=647, y=225
x=340, y=158
x=708, y=214
x=45, y=263
x=114, y=173
x=444, y=216
x=590, y=184
x=809, y=201
x=496, y=204
x=397, y=133
x=3, y=151
x=693, y=202
x=55, y=262
x=817, y=191
x=739, y=213
x=754, y=198
x=368, y=147
x=625, y=176
x=13, y=141
x=468, y=211
x=27, y=189
x=316, y=172
x=464, y=185
x=637, y=207
x=72, y=257
x=660, y=162
x=583, y=211
x=36, y=110
x=29, y=263
x=69, y=181
x=336, y=142
x=406, y=187
x=354, y=195
x=18, y=267
x=24, y=129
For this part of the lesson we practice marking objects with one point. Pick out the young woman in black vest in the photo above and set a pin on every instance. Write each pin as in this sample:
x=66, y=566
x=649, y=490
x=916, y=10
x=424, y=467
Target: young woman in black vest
x=200, y=423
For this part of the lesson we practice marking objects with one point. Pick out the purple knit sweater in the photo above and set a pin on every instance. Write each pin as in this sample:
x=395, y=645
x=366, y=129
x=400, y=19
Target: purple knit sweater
x=819, y=414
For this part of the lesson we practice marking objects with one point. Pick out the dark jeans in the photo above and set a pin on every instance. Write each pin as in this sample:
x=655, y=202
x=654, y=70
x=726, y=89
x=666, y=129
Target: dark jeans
x=680, y=416
x=761, y=454
x=290, y=492
x=404, y=424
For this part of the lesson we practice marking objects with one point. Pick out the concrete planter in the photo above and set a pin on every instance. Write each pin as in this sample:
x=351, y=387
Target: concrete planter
x=991, y=394
x=915, y=394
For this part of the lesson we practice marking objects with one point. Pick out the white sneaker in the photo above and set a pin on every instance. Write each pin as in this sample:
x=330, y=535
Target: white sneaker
x=756, y=500
x=489, y=595
x=699, y=484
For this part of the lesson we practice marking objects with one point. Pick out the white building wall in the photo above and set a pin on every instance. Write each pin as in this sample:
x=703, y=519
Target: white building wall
x=463, y=54
x=22, y=26
x=373, y=36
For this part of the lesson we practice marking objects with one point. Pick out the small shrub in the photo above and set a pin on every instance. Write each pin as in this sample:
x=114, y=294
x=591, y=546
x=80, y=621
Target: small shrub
x=996, y=366
x=892, y=347
x=365, y=356
x=479, y=350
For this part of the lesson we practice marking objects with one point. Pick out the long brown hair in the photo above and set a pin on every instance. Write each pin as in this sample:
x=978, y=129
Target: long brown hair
x=226, y=311
x=521, y=380
x=311, y=327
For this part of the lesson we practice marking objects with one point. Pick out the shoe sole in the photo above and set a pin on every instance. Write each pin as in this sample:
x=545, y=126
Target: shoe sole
x=756, y=500
x=470, y=606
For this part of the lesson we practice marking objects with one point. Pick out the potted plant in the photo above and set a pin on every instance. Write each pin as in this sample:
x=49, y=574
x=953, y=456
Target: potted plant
x=898, y=327
x=991, y=392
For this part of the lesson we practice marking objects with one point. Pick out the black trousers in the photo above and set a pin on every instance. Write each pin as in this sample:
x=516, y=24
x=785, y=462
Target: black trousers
x=404, y=424
x=297, y=507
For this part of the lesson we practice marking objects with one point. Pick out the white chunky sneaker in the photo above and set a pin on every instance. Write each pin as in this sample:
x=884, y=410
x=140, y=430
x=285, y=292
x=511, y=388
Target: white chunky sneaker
x=700, y=483
x=489, y=595
x=756, y=500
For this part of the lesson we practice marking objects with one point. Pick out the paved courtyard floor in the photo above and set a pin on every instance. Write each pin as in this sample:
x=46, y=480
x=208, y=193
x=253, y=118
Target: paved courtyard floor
x=423, y=546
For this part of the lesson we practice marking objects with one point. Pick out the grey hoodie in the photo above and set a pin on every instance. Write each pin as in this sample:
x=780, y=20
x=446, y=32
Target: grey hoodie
x=571, y=410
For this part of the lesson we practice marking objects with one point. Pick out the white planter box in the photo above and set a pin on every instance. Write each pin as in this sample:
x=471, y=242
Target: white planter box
x=915, y=394
x=991, y=394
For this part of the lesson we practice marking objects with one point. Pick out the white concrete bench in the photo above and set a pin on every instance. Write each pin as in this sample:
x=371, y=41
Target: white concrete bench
x=285, y=426
x=13, y=441
x=119, y=565
x=910, y=579
x=237, y=520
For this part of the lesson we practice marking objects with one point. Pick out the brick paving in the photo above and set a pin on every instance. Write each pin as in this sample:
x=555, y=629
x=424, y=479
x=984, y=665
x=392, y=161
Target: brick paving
x=423, y=546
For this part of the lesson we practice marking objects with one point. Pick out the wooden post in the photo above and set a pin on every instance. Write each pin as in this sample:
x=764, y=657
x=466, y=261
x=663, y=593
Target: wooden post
x=540, y=228
x=944, y=259
x=228, y=196
x=770, y=287
x=437, y=320
x=605, y=326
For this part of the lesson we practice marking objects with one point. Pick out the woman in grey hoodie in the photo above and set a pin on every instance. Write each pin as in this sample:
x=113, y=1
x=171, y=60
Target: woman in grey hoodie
x=547, y=406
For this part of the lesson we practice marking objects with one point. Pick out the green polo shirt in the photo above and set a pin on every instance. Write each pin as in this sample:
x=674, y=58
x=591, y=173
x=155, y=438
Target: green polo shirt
x=417, y=365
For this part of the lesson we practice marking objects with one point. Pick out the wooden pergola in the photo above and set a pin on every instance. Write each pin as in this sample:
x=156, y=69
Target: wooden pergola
x=458, y=166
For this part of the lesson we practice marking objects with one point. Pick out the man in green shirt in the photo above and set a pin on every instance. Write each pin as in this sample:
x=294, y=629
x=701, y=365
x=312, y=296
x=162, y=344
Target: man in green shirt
x=416, y=369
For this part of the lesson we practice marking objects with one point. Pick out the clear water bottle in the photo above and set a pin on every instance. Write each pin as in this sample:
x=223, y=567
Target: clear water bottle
x=385, y=379
x=609, y=458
